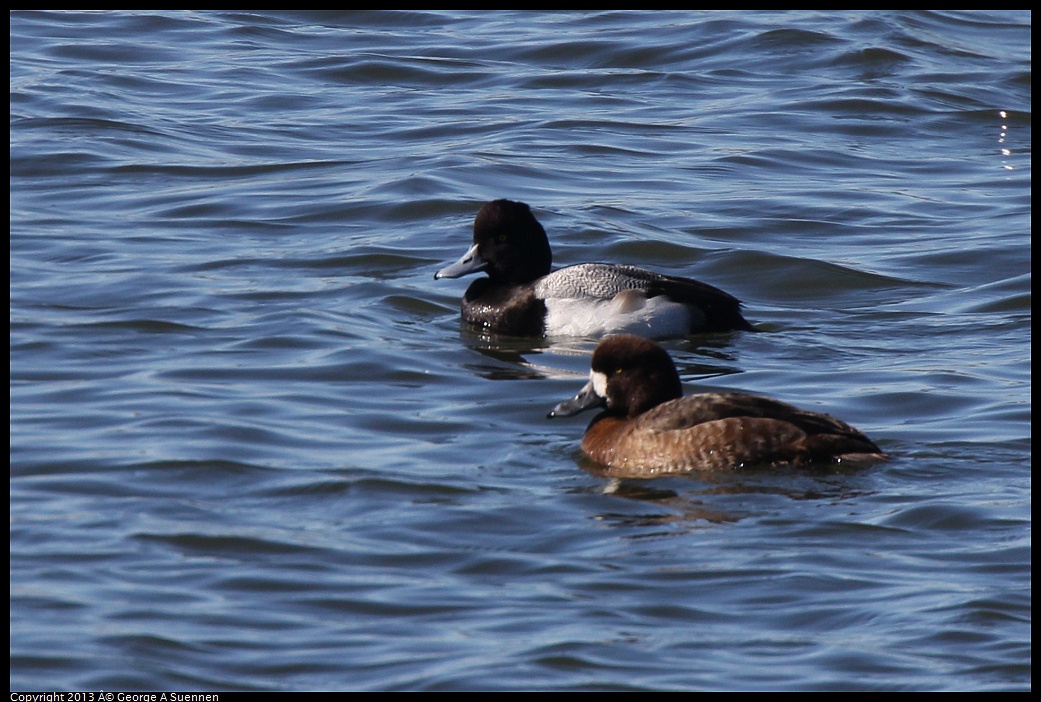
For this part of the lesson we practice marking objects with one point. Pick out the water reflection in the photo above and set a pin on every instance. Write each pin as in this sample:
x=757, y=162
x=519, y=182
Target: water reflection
x=523, y=358
x=756, y=490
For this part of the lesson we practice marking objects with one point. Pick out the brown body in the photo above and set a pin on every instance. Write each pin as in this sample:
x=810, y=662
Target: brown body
x=648, y=429
x=695, y=433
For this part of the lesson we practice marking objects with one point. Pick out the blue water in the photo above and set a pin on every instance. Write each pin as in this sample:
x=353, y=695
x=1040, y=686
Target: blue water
x=253, y=447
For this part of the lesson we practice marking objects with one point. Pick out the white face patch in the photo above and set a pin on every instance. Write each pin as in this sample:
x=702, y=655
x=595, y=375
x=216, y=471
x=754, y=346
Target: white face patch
x=599, y=381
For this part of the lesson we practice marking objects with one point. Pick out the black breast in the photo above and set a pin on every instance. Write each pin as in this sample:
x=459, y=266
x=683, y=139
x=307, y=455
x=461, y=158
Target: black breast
x=504, y=308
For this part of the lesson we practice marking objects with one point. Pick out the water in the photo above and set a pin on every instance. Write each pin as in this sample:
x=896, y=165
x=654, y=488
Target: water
x=252, y=447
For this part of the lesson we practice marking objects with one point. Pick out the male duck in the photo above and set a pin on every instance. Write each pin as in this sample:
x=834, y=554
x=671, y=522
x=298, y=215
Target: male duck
x=522, y=297
x=649, y=429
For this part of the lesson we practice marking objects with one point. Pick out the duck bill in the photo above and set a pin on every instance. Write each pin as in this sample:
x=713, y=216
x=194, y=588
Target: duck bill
x=471, y=262
x=587, y=398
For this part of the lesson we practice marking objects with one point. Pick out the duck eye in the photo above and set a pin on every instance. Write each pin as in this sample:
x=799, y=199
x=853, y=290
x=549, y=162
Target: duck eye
x=617, y=371
x=502, y=238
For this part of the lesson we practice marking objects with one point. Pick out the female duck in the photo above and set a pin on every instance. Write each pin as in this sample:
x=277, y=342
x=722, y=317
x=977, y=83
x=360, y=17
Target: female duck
x=649, y=429
x=522, y=297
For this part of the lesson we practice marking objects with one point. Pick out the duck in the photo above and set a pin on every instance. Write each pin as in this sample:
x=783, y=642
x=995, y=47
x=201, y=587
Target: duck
x=648, y=428
x=522, y=296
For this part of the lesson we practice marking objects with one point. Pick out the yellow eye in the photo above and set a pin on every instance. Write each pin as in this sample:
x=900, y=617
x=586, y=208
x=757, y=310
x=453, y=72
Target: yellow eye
x=502, y=238
x=618, y=370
